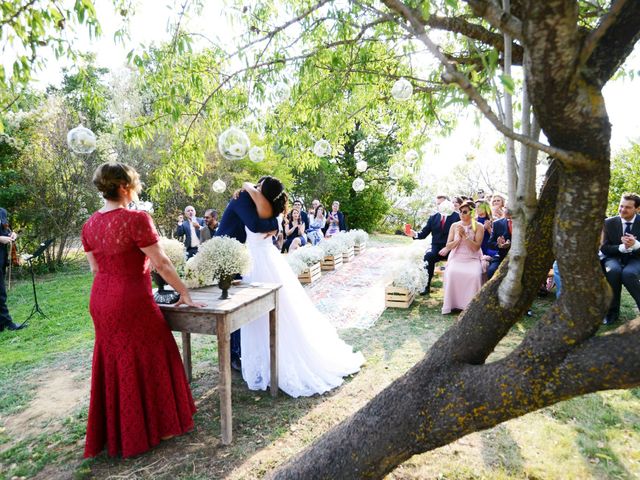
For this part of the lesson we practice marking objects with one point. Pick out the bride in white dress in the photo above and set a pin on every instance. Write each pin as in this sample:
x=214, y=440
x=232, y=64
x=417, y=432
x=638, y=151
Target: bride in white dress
x=311, y=356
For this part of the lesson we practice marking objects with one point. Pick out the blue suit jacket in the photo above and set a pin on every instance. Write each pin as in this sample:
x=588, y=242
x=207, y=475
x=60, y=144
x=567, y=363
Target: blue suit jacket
x=435, y=228
x=184, y=231
x=242, y=212
x=500, y=228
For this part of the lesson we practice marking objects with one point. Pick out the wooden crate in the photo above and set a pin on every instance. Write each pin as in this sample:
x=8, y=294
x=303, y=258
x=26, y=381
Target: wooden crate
x=331, y=263
x=348, y=255
x=358, y=249
x=396, y=297
x=311, y=274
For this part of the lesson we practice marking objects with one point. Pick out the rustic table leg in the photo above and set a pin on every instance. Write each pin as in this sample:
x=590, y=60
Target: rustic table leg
x=273, y=345
x=224, y=384
x=186, y=354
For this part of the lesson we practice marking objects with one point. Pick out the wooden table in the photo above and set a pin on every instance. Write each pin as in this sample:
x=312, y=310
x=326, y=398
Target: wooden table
x=221, y=317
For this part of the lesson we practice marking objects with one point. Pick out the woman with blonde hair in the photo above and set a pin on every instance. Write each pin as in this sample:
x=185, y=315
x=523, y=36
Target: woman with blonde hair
x=139, y=391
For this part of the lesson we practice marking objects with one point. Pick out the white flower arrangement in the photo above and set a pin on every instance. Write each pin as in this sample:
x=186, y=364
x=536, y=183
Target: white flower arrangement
x=296, y=264
x=308, y=255
x=360, y=237
x=412, y=276
x=175, y=250
x=331, y=247
x=345, y=239
x=220, y=256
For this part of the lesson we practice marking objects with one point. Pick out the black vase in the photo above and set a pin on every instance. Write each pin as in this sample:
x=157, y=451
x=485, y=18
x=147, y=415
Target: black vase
x=224, y=283
x=162, y=296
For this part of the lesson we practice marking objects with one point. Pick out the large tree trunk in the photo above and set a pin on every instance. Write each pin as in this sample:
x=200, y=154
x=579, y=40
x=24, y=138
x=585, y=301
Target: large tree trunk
x=452, y=391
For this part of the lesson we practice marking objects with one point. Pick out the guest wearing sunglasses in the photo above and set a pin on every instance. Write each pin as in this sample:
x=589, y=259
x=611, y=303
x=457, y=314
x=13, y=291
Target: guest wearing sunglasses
x=463, y=275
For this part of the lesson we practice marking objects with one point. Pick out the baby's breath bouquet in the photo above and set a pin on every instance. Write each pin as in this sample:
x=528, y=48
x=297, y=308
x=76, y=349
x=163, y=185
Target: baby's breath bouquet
x=345, y=239
x=331, y=247
x=410, y=275
x=360, y=237
x=174, y=249
x=296, y=264
x=308, y=255
x=220, y=258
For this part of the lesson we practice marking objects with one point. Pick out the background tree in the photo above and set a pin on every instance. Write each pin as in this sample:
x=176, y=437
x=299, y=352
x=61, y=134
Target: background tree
x=625, y=176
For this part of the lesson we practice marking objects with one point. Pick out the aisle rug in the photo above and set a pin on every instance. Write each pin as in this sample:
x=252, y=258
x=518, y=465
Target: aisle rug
x=353, y=296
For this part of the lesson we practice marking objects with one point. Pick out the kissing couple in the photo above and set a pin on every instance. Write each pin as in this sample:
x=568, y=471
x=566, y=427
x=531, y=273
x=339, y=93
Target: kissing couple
x=312, y=357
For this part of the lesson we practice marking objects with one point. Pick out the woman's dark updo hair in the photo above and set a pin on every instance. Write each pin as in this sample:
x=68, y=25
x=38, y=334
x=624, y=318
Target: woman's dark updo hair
x=273, y=190
x=110, y=176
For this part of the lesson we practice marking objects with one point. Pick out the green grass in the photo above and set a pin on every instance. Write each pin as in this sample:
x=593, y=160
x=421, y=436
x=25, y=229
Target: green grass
x=590, y=437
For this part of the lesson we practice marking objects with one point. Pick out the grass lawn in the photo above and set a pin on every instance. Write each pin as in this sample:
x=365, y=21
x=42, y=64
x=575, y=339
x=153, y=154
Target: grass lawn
x=45, y=369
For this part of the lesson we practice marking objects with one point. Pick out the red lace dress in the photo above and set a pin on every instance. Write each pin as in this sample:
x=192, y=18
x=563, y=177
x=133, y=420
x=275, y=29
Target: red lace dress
x=139, y=391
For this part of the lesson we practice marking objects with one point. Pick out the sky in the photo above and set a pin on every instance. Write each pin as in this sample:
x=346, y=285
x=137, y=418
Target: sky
x=149, y=24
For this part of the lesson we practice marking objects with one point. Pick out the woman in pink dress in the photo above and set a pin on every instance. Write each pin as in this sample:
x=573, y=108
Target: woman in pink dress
x=463, y=274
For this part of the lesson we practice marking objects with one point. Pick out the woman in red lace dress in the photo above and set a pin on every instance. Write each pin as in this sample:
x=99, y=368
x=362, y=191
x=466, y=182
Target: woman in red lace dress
x=139, y=391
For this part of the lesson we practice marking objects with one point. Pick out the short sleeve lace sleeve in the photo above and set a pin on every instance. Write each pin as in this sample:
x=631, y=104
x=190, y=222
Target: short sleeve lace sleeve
x=143, y=231
x=83, y=237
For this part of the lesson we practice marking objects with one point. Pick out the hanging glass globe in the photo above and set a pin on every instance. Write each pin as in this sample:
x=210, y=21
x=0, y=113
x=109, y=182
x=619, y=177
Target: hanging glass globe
x=256, y=154
x=219, y=186
x=81, y=140
x=358, y=184
x=396, y=171
x=402, y=90
x=282, y=92
x=411, y=156
x=362, y=166
x=233, y=144
x=322, y=148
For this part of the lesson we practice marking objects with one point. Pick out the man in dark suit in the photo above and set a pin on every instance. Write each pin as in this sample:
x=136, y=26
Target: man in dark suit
x=438, y=227
x=621, y=254
x=241, y=212
x=500, y=240
x=189, y=227
x=6, y=237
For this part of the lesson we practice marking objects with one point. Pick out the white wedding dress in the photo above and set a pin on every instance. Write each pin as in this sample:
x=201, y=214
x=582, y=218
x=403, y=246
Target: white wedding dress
x=311, y=357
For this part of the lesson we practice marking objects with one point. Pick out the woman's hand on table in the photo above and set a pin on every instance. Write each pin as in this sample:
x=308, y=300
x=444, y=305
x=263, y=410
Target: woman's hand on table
x=185, y=299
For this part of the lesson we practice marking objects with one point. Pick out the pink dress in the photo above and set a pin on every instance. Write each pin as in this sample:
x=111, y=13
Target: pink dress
x=463, y=274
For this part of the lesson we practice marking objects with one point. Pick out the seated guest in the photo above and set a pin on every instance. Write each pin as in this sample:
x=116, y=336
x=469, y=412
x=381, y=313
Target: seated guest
x=316, y=224
x=314, y=204
x=463, y=275
x=500, y=240
x=335, y=220
x=483, y=216
x=621, y=254
x=189, y=228
x=210, y=225
x=297, y=205
x=498, y=204
x=294, y=235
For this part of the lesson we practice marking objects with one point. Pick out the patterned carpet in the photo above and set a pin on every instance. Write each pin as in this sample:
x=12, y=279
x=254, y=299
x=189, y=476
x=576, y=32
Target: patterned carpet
x=353, y=296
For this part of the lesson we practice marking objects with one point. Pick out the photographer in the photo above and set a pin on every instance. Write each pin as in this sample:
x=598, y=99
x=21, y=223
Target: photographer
x=6, y=238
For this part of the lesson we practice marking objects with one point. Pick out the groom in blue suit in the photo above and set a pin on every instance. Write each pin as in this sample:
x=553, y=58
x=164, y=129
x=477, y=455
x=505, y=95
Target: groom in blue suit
x=241, y=212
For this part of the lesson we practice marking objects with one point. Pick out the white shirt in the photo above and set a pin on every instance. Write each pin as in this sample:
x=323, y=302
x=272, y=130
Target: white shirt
x=635, y=246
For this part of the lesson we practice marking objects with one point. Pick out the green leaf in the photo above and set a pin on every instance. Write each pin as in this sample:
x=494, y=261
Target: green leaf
x=507, y=83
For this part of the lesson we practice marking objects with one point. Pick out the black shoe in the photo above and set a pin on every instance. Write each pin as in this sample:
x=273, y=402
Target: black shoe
x=610, y=319
x=12, y=326
x=426, y=291
x=236, y=364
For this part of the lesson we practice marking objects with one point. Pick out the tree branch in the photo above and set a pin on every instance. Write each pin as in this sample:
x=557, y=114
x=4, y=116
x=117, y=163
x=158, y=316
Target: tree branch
x=607, y=47
x=497, y=17
x=452, y=75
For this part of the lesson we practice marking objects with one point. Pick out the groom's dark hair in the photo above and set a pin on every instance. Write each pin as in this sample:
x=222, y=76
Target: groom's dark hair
x=273, y=190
